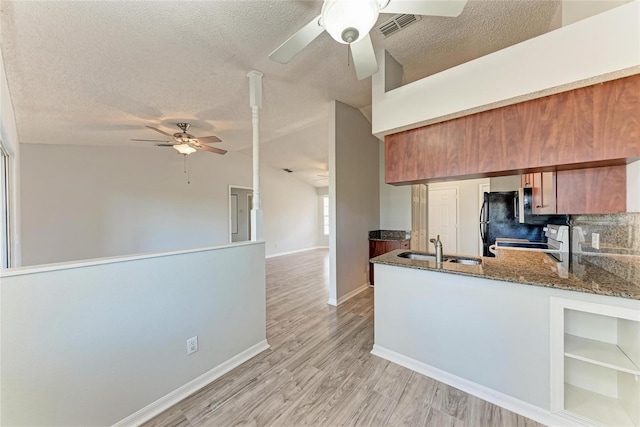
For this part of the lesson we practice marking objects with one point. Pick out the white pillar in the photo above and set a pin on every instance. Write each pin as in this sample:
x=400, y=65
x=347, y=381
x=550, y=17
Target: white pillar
x=255, y=101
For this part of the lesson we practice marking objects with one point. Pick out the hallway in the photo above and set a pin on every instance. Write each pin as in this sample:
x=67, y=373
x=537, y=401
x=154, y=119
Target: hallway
x=319, y=370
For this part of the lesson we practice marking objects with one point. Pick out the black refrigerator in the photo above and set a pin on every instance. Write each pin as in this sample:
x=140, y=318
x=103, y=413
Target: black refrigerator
x=499, y=218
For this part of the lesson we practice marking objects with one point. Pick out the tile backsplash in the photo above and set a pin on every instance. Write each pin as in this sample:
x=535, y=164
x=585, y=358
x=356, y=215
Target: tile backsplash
x=619, y=248
x=389, y=235
x=619, y=233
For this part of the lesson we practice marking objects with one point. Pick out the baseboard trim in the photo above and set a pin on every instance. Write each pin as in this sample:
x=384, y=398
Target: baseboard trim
x=344, y=298
x=352, y=294
x=296, y=251
x=165, y=402
x=510, y=403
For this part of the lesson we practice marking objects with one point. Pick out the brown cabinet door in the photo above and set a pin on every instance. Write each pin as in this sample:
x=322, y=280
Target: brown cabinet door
x=544, y=193
x=379, y=247
x=616, y=127
x=591, y=191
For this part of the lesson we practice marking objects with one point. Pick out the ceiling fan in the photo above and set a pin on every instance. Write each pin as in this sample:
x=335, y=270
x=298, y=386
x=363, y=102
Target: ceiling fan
x=349, y=22
x=185, y=143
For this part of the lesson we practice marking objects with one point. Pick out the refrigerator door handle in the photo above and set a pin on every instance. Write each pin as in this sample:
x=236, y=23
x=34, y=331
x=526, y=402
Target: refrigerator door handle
x=482, y=221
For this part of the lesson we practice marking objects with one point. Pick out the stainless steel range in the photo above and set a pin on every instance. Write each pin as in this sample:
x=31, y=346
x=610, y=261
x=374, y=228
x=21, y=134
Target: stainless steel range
x=556, y=244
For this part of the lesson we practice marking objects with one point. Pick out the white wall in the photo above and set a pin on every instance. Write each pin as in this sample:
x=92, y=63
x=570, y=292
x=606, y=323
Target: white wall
x=559, y=60
x=83, y=202
x=395, y=202
x=633, y=187
x=90, y=344
x=354, y=197
x=577, y=10
x=468, y=212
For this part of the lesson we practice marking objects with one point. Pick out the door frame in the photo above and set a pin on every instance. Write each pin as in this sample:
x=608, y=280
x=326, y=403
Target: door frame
x=230, y=214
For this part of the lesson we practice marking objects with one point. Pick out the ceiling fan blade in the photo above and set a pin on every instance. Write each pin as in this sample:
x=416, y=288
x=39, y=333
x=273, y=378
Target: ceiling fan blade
x=211, y=149
x=426, y=7
x=165, y=145
x=151, y=140
x=364, y=59
x=294, y=44
x=161, y=131
x=208, y=139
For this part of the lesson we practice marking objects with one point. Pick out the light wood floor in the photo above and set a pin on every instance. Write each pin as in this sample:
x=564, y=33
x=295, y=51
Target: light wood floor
x=319, y=371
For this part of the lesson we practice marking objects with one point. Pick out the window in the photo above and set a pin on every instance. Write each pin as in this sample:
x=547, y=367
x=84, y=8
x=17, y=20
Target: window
x=325, y=211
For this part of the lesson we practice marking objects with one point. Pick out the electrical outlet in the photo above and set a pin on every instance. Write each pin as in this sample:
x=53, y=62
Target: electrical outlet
x=192, y=345
x=595, y=240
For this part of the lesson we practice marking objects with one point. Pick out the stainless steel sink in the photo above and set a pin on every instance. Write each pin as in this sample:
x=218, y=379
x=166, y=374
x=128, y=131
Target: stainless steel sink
x=465, y=261
x=432, y=258
x=418, y=257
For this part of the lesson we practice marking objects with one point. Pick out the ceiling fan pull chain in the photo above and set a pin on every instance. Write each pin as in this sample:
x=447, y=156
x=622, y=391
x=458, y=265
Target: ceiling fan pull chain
x=348, y=53
x=186, y=169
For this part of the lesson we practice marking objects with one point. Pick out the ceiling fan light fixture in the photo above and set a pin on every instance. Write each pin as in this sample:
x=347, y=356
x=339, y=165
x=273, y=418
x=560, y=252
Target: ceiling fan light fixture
x=184, y=149
x=349, y=21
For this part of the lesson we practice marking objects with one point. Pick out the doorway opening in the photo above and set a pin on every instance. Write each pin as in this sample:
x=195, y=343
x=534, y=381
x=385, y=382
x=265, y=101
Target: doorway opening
x=240, y=203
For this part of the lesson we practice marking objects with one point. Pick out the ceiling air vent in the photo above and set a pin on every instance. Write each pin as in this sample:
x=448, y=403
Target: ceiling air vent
x=396, y=23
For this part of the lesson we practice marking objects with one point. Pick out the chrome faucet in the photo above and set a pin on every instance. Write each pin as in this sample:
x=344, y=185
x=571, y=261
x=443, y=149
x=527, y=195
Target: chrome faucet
x=438, y=245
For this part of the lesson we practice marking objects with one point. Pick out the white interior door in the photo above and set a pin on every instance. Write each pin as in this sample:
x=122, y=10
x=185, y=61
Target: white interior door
x=443, y=218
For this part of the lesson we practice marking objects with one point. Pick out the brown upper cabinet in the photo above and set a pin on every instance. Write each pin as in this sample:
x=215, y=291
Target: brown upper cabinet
x=578, y=191
x=593, y=126
x=544, y=193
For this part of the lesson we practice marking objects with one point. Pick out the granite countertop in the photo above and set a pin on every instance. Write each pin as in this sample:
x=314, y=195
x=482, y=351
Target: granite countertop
x=580, y=273
x=389, y=235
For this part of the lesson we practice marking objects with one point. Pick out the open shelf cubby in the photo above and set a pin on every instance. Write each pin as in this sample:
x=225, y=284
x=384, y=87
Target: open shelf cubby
x=596, y=363
x=596, y=407
x=598, y=352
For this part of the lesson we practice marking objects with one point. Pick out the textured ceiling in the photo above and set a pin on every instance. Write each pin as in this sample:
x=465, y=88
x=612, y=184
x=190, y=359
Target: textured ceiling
x=97, y=72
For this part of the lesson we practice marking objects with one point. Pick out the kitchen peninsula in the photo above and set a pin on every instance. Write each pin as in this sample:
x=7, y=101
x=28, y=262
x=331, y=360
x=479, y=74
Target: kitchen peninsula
x=497, y=330
x=579, y=274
